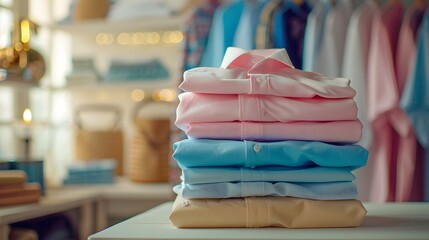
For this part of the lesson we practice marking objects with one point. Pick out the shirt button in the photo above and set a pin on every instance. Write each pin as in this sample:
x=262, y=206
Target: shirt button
x=259, y=79
x=256, y=148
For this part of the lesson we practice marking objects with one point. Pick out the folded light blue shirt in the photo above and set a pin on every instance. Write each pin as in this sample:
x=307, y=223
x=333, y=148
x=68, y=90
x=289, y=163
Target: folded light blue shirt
x=319, y=191
x=221, y=153
x=265, y=174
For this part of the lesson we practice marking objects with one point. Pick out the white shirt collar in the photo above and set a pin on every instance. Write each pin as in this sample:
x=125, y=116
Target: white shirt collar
x=237, y=57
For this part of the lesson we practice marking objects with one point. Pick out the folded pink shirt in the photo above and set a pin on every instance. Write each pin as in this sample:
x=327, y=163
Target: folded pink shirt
x=339, y=131
x=267, y=72
x=200, y=108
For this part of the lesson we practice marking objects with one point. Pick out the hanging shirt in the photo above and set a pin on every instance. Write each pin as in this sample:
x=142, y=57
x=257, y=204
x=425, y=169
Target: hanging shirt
x=257, y=212
x=383, y=99
x=320, y=191
x=407, y=150
x=355, y=68
x=264, y=29
x=216, y=153
x=314, y=32
x=289, y=28
x=415, y=99
x=197, y=107
x=356, y=59
x=267, y=71
x=406, y=51
x=335, y=132
x=203, y=175
x=246, y=30
x=329, y=59
x=221, y=36
x=196, y=33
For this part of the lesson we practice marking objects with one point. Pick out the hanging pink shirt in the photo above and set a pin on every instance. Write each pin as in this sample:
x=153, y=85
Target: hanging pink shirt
x=198, y=108
x=268, y=72
x=383, y=101
x=407, y=146
x=336, y=132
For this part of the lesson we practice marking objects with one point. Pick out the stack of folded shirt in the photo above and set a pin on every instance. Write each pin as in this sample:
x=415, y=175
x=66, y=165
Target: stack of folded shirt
x=15, y=190
x=94, y=172
x=269, y=145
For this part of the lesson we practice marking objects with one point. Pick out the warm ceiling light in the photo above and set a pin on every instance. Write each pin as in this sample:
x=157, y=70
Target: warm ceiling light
x=101, y=38
x=167, y=95
x=137, y=95
x=27, y=116
x=153, y=38
x=176, y=37
x=124, y=38
x=25, y=31
x=138, y=38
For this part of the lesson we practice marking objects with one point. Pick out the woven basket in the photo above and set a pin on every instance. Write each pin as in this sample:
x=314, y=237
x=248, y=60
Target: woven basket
x=92, y=9
x=91, y=145
x=150, y=151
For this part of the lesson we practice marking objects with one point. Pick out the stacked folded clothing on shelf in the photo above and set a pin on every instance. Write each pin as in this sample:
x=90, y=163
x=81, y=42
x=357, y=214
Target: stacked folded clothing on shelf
x=94, y=172
x=269, y=145
x=14, y=188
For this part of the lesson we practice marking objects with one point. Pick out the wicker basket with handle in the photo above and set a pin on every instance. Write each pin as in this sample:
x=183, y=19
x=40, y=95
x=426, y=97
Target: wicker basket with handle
x=150, y=150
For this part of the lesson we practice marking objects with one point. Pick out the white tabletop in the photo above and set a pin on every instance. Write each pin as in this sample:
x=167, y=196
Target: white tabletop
x=383, y=221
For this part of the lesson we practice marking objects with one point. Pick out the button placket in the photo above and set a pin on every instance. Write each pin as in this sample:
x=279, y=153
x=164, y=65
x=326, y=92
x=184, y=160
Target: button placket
x=247, y=154
x=252, y=189
x=251, y=157
x=256, y=148
x=250, y=175
x=260, y=83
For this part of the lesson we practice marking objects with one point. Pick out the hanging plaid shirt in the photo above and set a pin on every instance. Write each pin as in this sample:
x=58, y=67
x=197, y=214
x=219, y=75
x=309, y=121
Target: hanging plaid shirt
x=196, y=31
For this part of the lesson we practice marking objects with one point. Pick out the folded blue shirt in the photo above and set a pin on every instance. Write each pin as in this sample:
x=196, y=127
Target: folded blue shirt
x=265, y=174
x=211, y=153
x=320, y=191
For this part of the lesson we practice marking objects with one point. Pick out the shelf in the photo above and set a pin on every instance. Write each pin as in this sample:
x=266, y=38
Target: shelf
x=92, y=27
x=117, y=86
x=384, y=221
x=94, y=204
x=18, y=84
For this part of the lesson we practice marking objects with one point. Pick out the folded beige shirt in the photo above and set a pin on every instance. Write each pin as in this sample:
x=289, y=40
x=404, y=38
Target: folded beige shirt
x=256, y=212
